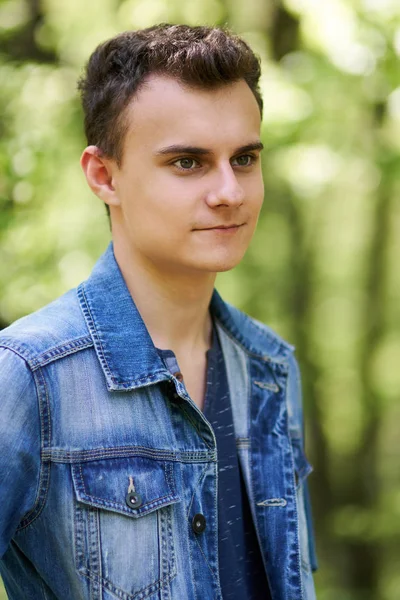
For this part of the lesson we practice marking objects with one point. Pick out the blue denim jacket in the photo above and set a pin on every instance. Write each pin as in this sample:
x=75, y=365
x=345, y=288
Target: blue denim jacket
x=90, y=416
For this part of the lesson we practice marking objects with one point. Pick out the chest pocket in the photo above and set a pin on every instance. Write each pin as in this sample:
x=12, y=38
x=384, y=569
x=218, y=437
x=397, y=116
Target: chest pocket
x=124, y=534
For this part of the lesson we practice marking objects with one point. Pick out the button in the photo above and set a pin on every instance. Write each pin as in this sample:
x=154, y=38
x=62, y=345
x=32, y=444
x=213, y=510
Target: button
x=199, y=523
x=179, y=376
x=133, y=500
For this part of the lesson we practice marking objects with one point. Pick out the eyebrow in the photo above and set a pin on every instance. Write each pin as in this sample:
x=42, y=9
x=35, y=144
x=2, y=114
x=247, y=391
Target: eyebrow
x=196, y=150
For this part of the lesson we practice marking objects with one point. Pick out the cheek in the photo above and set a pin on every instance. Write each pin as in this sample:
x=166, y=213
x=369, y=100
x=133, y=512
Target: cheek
x=255, y=193
x=158, y=211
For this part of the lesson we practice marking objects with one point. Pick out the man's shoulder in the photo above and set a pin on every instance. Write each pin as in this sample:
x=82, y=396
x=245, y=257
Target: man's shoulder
x=255, y=336
x=54, y=330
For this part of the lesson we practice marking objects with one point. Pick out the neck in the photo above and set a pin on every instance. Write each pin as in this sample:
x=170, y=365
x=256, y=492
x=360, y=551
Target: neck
x=173, y=305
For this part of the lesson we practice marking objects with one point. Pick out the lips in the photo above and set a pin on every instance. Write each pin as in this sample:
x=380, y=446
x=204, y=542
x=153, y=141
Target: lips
x=231, y=226
x=226, y=226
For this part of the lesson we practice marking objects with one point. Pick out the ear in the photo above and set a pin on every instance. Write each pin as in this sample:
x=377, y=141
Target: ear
x=99, y=172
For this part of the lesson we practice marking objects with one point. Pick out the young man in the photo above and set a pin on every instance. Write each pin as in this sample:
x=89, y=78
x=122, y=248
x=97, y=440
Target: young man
x=151, y=434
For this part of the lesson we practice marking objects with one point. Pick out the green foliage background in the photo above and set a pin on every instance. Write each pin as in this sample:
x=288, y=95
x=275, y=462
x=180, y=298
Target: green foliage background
x=323, y=267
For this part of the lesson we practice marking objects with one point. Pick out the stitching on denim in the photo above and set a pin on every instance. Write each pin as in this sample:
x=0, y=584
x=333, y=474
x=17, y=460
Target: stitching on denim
x=243, y=443
x=66, y=349
x=171, y=498
x=206, y=560
x=148, y=506
x=264, y=357
x=217, y=578
x=114, y=452
x=97, y=551
x=45, y=471
x=195, y=425
x=195, y=488
x=295, y=504
x=170, y=515
x=82, y=480
x=36, y=362
x=164, y=547
x=21, y=351
x=95, y=336
x=189, y=534
x=115, y=590
x=78, y=535
x=48, y=407
x=164, y=517
x=118, y=592
x=146, y=377
x=169, y=479
x=249, y=397
x=93, y=329
x=283, y=345
x=251, y=482
x=267, y=386
x=89, y=521
x=31, y=513
x=78, y=456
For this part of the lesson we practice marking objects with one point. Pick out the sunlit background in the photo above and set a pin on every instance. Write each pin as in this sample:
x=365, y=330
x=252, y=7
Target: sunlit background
x=323, y=269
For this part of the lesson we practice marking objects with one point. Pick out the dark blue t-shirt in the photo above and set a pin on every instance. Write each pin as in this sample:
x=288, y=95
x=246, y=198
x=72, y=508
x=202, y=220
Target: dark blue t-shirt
x=242, y=572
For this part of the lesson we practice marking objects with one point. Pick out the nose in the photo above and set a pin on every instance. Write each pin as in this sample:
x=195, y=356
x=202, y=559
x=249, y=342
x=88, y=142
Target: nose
x=225, y=190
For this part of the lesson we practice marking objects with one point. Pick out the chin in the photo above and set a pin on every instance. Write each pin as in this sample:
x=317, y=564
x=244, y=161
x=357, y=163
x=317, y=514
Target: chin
x=219, y=265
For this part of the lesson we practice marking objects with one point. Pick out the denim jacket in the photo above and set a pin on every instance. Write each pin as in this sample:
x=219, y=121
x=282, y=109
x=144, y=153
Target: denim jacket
x=105, y=460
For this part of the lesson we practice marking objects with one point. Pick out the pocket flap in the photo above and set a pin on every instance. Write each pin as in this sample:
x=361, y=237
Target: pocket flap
x=105, y=484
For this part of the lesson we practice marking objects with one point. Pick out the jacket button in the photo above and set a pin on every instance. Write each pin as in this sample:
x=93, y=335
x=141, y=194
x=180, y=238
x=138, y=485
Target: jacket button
x=199, y=523
x=133, y=500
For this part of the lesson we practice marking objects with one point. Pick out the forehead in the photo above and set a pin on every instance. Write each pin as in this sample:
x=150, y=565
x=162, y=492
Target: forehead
x=166, y=112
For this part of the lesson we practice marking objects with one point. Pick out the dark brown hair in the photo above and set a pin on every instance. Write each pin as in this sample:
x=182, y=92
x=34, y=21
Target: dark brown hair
x=200, y=57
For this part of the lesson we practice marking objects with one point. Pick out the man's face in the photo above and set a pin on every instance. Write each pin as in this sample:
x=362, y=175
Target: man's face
x=190, y=188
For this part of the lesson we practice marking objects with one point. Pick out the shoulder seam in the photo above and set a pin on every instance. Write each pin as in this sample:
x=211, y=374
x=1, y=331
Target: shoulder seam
x=40, y=360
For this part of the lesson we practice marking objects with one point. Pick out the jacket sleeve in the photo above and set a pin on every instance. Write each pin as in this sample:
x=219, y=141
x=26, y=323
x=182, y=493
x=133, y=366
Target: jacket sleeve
x=19, y=443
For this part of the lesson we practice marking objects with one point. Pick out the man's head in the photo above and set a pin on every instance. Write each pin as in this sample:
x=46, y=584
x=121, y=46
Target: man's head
x=172, y=118
x=199, y=57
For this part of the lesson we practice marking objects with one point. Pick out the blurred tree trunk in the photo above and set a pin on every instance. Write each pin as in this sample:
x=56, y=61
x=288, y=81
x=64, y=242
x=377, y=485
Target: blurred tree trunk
x=285, y=39
x=284, y=32
x=21, y=43
x=364, y=556
x=361, y=573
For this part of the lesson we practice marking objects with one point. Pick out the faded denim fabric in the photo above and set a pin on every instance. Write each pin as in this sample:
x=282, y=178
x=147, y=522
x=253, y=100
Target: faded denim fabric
x=88, y=409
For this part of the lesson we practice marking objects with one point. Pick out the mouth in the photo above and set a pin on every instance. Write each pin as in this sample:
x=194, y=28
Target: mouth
x=231, y=227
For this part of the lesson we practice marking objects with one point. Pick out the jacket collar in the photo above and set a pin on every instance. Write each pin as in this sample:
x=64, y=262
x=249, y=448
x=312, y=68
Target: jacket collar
x=123, y=345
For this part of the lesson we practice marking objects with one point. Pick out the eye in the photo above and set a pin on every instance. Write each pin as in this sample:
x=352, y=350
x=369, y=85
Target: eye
x=186, y=164
x=244, y=161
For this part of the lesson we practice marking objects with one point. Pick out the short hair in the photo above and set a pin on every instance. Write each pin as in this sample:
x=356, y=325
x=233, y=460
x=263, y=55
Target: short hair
x=200, y=57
